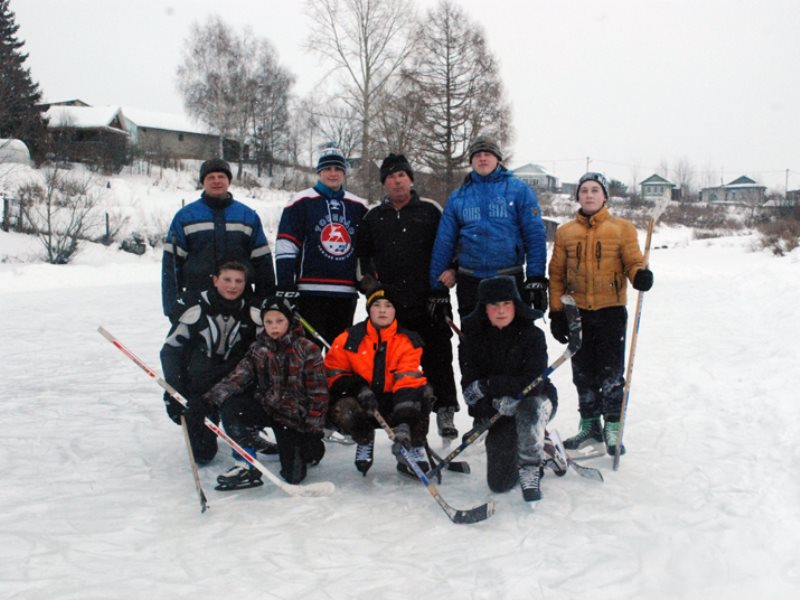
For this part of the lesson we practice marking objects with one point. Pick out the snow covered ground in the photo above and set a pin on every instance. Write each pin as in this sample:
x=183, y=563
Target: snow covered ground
x=97, y=500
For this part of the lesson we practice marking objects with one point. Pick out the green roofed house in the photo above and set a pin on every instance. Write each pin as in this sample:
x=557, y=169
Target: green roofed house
x=742, y=191
x=656, y=188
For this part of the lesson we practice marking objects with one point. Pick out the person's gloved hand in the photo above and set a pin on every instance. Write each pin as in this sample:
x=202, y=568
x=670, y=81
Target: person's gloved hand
x=439, y=307
x=535, y=290
x=196, y=409
x=402, y=438
x=174, y=408
x=643, y=280
x=474, y=392
x=366, y=398
x=558, y=326
x=506, y=405
x=368, y=284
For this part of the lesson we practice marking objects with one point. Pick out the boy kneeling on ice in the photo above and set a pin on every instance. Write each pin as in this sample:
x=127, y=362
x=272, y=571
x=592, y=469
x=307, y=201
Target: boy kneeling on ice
x=503, y=353
x=287, y=375
x=376, y=364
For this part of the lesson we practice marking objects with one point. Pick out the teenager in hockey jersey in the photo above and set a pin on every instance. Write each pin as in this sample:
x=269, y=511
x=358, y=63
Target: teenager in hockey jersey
x=206, y=342
x=503, y=352
x=394, y=245
x=376, y=364
x=204, y=234
x=288, y=375
x=593, y=257
x=315, y=252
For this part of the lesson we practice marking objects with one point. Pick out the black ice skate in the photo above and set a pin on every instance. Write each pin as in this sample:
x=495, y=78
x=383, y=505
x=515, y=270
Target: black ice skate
x=239, y=477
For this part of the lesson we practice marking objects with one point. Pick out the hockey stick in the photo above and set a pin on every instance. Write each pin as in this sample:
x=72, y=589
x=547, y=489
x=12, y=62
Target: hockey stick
x=588, y=472
x=323, y=488
x=573, y=345
x=472, y=515
x=632, y=353
x=195, y=474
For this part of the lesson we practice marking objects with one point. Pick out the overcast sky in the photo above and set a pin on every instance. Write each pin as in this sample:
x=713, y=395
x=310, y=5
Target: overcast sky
x=630, y=84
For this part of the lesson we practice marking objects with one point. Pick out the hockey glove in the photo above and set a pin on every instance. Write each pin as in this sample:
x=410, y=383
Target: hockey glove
x=439, y=308
x=402, y=438
x=197, y=409
x=558, y=326
x=536, y=292
x=368, y=284
x=367, y=400
x=174, y=409
x=474, y=392
x=643, y=280
x=506, y=405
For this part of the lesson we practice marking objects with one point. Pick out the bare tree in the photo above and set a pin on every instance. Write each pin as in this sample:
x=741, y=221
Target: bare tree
x=208, y=77
x=60, y=213
x=368, y=40
x=455, y=77
x=684, y=174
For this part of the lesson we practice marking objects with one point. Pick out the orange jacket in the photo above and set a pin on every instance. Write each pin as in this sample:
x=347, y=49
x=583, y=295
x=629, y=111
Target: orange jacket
x=592, y=257
x=354, y=351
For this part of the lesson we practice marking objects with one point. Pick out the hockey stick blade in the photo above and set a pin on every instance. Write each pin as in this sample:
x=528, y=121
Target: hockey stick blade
x=588, y=472
x=322, y=488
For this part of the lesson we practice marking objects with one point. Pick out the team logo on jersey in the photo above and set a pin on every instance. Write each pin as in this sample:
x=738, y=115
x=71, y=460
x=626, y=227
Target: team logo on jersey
x=336, y=239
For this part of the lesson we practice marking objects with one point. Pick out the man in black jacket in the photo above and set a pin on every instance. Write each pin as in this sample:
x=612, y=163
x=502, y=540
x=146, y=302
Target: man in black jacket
x=395, y=240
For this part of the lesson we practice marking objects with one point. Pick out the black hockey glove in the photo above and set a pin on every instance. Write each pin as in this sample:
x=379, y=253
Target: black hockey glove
x=402, y=438
x=367, y=400
x=368, y=284
x=558, y=326
x=439, y=308
x=474, y=392
x=174, y=409
x=536, y=292
x=643, y=280
x=197, y=409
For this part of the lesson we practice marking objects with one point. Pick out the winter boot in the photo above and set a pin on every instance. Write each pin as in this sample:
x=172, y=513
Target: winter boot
x=364, y=456
x=530, y=478
x=611, y=435
x=589, y=434
x=240, y=476
x=417, y=454
x=444, y=421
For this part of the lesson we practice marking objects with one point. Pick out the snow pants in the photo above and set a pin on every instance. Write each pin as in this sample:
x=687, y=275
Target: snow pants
x=202, y=439
x=329, y=315
x=598, y=368
x=243, y=417
x=517, y=441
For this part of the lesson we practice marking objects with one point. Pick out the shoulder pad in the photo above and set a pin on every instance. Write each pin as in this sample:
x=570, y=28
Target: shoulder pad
x=191, y=315
x=416, y=339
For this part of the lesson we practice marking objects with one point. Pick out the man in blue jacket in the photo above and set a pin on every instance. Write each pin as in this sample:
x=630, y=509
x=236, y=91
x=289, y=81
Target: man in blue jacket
x=491, y=226
x=208, y=232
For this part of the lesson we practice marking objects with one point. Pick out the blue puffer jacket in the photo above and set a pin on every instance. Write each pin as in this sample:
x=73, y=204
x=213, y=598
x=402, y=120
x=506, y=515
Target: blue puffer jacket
x=204, y=234
x=491, y=225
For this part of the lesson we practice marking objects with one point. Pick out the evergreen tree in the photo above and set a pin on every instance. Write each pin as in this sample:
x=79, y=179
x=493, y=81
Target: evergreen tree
x=19, y=94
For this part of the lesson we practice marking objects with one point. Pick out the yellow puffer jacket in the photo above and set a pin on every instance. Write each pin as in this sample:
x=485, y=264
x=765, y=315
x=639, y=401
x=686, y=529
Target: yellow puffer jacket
x=592, y=258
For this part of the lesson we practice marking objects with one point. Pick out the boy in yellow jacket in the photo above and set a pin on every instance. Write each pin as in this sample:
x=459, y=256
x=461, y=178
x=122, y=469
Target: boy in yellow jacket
x=594, y=256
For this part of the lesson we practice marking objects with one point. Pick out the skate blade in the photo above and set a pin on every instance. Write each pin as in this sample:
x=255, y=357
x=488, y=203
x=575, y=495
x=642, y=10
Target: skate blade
x=587, y=452
x=223, y=487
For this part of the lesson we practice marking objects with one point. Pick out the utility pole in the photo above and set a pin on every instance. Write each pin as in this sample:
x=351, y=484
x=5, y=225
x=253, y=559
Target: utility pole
x=588, y=160
x=786, y=188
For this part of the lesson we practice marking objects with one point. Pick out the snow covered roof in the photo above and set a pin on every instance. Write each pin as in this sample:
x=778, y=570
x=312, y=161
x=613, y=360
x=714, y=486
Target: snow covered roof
x=656, y=180
x=159, y=120
x=15, y=151
x=82, y=117
x=531, y=169
x=743, y=182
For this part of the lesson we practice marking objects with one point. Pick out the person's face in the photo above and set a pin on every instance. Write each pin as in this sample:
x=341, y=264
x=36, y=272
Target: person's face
x=501, y=313
x=332, y=177
x=591, y=197
x=275, y=324
x=484, y=163
x=398, y=187
x=216, y=184
x=382, y=313
x=230, y=284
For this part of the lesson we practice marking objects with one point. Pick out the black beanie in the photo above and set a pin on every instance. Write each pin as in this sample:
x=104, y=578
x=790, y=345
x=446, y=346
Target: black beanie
x=277, y=303
x=215, y=165
x=495, y=289
x=394, y=163
x=381, y=292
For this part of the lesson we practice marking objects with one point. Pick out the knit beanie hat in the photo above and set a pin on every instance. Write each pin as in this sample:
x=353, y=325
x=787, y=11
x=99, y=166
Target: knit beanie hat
x=381, y=292
x=215, y=165
x=394, y=163
x=484, y=143
x=598, y=177
x=277, y=303
x=331, y=157
x=500, y=288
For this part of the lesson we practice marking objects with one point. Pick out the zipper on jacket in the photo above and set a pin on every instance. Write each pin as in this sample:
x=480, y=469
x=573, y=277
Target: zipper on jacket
x=598, y=252
x=579, y=252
